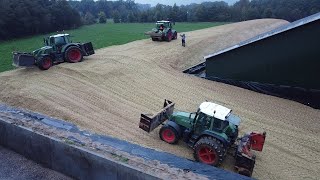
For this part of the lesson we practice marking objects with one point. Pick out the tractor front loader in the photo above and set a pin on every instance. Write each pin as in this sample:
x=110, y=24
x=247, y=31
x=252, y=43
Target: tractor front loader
x=211, y=131
x=58, y=48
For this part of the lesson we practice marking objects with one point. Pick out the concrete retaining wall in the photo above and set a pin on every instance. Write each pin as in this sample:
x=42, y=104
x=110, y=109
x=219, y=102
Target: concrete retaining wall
x=75, y=162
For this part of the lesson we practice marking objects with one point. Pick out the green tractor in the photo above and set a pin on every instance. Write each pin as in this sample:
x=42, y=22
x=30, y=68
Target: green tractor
x=163, y=32
x=58, y=48
x=212, y=131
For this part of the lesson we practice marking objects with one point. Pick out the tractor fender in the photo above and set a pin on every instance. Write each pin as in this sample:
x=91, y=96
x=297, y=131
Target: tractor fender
x=41, y=56
x=175, y=126
x=165, y=32
x=64, y=48
x=216, y=136
x=169, y=30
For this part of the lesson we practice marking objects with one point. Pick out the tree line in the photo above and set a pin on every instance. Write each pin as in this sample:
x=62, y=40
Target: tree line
x=129, y=11
x=21, y=18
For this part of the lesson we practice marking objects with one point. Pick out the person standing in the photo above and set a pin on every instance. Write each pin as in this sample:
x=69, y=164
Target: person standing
x=183, y=38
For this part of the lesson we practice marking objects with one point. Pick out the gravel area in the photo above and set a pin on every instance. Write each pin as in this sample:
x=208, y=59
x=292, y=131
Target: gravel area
x=15, y=167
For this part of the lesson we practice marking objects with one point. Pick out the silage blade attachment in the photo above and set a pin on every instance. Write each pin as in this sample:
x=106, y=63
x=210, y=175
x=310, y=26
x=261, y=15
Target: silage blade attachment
x=149, y=123
x=21, y=59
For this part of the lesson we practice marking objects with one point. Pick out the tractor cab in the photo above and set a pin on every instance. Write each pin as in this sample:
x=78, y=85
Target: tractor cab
x=205, y=122
x=216, y=119
x=161, y=25
x=218, y=115
x=57, y=41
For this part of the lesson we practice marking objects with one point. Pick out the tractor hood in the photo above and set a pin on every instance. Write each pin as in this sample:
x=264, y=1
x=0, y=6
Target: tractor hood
x=183, y=114
x=43, y=50
x=157, y=31
x=183, y=118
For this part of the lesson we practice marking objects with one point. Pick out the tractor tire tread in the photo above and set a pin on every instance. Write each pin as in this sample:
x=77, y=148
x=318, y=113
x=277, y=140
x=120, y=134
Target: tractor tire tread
x=40, y=63
x=173, y=130
x=68, y=49
x=215, y=144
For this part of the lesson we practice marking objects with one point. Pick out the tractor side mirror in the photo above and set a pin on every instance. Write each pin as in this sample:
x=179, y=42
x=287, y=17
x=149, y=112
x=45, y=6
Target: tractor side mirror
x=195, y=113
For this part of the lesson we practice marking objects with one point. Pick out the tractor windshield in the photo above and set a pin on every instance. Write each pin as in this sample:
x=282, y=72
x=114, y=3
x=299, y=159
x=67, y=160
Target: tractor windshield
x=57, y=40
x=67, y=39
x=160, y=26
x=163, y=25
x=60, y=40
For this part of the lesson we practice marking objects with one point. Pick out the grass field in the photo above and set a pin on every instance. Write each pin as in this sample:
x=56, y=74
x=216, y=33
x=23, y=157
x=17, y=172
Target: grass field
x=101, y=35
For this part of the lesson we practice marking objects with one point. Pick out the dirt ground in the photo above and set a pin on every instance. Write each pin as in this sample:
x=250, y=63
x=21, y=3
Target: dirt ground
x=108, y=91
x=14, y=167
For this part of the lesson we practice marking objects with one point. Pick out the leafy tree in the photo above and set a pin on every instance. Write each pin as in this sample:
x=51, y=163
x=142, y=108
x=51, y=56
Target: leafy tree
x=89, y=19
x=174, y=12
x=22, y=18
x=102, y=17
x=201, y=13
x=116, y=17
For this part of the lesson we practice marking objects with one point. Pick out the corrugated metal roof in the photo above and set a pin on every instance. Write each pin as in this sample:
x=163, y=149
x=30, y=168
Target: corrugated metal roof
x=276, y=31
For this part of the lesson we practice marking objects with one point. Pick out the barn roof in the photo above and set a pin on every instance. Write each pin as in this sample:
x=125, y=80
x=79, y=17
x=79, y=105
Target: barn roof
x=274, y=32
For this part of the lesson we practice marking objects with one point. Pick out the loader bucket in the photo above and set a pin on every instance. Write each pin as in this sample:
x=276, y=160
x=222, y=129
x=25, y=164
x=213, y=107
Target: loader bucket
x=149, y=123
x=23, y=59
x=148, y=33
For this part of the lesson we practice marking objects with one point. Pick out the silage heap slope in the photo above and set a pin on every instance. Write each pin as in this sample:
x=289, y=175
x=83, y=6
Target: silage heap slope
x=108, y=91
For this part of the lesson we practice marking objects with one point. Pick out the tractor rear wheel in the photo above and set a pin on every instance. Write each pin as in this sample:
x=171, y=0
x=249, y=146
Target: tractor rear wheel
x=209, y=151
x=169, y=134
x=169, y=36
x=73, y=54
x=45, y=63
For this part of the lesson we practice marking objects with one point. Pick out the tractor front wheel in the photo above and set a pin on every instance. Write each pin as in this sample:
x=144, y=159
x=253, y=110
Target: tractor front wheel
x=73, y=54
x=45, y=63
x=169, y=134
x=209, y=151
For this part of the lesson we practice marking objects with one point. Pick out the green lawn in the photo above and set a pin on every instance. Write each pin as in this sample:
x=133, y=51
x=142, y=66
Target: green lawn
x=101, y=35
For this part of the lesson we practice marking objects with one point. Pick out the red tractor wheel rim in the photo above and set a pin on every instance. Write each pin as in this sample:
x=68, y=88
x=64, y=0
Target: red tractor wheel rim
x=74, y=55
x=168, y=135
x=169, y=36
x=207, y=155
x=46, y=63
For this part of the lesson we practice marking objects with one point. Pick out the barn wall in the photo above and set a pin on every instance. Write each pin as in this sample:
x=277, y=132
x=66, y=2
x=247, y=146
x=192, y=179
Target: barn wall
x=290, y=58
